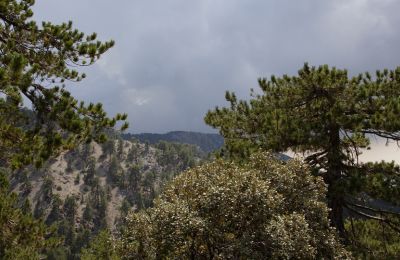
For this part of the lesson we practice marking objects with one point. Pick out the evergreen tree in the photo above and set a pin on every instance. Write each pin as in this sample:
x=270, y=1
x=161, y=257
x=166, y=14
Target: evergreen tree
x=55, y=213
x=35, y=62
x=69, y=209
x=88, y=215
x=21, y=236
x=133, y=152
x=100, y=248
x=120, y=149
x=90, y=171
x=115, y=171
x=327, y=115
x=125, y=208
x=373, y=240
x=108, y=148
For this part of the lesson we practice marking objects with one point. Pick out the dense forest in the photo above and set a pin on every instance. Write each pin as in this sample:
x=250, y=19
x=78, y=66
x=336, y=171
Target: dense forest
x=73, y=185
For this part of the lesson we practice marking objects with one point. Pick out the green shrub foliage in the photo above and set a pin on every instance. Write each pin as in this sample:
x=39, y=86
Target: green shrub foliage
x=264, y=209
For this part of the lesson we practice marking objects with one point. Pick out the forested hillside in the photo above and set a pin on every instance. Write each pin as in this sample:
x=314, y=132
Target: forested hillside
x=93, y=187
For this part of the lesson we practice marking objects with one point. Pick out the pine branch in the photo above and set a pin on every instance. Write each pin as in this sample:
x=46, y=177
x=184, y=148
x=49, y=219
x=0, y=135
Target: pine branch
x=373, y=209
x=384, y=220
x=384, y=134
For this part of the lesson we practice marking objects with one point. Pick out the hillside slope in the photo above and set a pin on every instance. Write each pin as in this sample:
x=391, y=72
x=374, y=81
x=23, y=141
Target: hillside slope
x=94, y=186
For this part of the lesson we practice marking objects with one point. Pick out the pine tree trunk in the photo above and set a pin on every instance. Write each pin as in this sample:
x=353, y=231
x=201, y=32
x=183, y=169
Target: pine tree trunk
x=332, y=178
x=336, y=203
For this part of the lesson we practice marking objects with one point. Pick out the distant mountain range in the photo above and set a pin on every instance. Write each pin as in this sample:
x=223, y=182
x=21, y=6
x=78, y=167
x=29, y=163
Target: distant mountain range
x=206, y=142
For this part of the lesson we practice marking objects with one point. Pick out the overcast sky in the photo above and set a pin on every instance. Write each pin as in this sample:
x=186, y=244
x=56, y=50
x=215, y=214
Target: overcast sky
x=174, y=59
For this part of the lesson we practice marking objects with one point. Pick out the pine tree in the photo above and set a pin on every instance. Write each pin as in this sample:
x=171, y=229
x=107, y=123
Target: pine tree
x=100, y=248
x=328, y=116
x=35, y=62
x=21, y=236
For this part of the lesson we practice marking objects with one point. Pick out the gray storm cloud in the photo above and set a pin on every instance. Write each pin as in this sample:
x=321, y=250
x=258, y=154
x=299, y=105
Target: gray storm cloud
x=174, y=59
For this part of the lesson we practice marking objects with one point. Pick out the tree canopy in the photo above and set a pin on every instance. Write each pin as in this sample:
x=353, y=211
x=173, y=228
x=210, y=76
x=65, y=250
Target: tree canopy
x=264, y=209
x=38, y=116
x=327, y=115
x=35, y=63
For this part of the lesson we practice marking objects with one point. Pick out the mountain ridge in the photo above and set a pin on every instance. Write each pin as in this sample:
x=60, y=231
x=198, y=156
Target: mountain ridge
x=207, y=142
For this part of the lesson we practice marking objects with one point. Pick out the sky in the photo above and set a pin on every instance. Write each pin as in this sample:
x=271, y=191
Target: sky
x=174, y=59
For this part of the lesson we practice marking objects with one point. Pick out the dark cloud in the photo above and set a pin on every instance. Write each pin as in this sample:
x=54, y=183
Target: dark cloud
x=174, y=59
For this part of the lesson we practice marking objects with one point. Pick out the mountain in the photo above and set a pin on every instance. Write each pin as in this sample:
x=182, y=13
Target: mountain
x=94, y=186
x=206, y=142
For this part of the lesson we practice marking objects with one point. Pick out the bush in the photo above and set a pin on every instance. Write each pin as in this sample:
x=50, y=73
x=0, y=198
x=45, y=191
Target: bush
x=264, y=209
